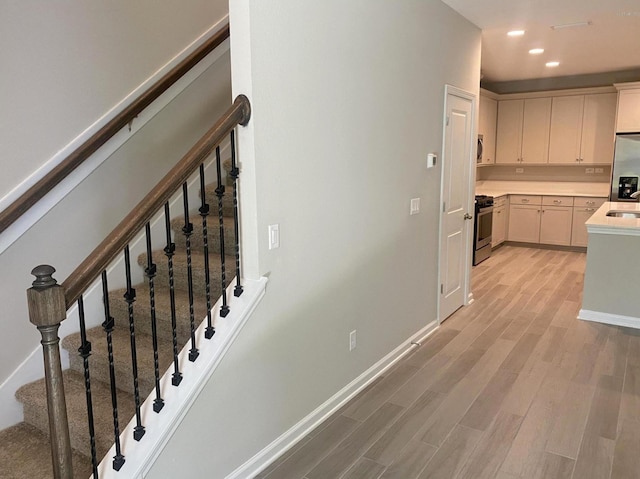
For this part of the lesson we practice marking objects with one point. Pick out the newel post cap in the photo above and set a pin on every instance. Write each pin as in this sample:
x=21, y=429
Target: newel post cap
x=45, y=298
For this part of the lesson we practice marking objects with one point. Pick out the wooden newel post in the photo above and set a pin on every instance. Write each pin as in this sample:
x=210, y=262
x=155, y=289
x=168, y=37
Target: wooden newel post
x=47, y=310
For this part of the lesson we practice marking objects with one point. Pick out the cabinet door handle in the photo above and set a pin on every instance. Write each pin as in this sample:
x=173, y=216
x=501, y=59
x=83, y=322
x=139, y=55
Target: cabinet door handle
x=525, y=200
x=557, y=201
x=591, y=202
x=589, y=210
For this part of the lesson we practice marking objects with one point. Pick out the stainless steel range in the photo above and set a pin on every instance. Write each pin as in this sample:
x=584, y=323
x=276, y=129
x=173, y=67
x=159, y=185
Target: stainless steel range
x=482, y=228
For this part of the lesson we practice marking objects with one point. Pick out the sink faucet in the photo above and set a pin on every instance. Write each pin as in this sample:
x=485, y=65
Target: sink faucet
x=635, y=195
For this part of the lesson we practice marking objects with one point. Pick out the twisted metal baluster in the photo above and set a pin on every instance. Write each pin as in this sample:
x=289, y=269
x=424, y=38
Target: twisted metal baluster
x=108, y=325
x=234, y=173
x=150, y=271
x=188, y=231
x=169, y=251
x=85, y=352
x=224, y=309
x=130, y=297
x=204, y=212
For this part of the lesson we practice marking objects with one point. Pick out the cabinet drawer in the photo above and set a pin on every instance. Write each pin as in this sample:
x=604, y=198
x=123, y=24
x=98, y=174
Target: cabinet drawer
x=499, y=201
x=557, y=200
x=588, y=202
x=525, y=200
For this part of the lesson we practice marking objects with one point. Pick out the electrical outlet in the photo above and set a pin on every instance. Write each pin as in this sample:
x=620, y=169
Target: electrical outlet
x=588, y=171
x=415, y=206
x=599, y=170
x=519, y=170
x=352, y=340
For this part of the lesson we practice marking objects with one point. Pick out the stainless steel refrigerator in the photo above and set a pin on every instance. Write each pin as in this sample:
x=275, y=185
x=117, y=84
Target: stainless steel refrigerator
x=626, y=167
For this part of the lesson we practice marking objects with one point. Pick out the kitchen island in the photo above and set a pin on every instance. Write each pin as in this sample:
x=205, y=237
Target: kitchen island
x=612, y=280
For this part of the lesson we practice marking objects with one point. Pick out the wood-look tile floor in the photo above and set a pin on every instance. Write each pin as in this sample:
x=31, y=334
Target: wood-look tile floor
x=512, y=386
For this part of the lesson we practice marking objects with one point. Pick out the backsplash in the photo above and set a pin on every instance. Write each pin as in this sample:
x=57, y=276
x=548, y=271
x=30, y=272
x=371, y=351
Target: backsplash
x=544, y=173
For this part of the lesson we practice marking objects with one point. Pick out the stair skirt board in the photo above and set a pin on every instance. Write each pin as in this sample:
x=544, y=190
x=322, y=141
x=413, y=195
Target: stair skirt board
x=32, y=368
x=277, y=448
x=141, y=455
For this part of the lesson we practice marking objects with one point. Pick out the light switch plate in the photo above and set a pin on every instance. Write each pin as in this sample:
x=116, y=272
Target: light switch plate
x=519, y=170
x=415, y=206
x=274, y=236
x=599, y=170
x=588, y=171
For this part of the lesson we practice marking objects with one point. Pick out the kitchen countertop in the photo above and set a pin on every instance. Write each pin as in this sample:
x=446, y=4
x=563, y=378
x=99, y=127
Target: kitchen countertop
x=567, y=188
x=603, y=224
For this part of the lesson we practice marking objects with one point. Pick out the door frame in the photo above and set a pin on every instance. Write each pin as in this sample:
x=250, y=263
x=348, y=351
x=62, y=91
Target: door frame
x=455, y=91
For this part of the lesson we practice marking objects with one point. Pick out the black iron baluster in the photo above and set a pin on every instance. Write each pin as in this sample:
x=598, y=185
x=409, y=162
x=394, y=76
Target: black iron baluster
x=204, y=212
x=85, y=352
x=169, y=251
x=108, y=325
x=224, y=309
x=130, y=297
x=150, y=271
x=188, y=231
x=234, y=173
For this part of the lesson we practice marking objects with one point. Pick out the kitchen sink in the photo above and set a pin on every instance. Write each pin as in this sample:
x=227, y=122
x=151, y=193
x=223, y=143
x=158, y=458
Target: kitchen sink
x=624, y=214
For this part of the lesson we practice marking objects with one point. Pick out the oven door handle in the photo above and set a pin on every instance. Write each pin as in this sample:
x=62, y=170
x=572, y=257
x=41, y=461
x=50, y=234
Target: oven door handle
x=467, y=216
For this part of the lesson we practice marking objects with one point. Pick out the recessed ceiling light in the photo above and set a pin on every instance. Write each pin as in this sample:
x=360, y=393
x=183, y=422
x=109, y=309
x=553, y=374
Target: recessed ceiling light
x=536, y=51
x=552, y=64
x=515, y=33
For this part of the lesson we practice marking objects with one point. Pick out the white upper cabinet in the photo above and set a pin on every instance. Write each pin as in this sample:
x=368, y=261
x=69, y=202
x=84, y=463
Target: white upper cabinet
x=582, y=129
x=509, y=132
x=566, y=129
x=598, y=128
x=628, y=120
x=523, y=130
x=535, y=130
x=487, y=128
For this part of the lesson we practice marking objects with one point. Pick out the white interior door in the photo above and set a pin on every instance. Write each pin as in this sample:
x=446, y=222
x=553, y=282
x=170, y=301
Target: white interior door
x=456, y=227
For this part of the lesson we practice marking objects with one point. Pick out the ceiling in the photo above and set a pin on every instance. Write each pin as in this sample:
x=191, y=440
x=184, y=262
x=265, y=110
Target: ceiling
x=611, y=43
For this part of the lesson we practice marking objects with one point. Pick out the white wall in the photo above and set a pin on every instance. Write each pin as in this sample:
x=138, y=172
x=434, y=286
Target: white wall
x=347, y=101
x=65, y=65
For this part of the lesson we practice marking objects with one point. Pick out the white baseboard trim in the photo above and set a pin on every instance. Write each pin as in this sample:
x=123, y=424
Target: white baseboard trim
x=278, y=447
x=22, y=225
x=141, y=455
x=608, y=318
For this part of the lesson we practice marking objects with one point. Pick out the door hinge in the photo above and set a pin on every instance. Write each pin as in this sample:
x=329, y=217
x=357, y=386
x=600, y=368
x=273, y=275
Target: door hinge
x=444, y=206
x=442, y=288
x=447, y=120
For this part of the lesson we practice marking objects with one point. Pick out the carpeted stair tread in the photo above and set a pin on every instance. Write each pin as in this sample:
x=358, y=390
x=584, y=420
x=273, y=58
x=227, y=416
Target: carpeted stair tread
x=26, y=454
x=142, y=312
x=34, y=398
x=180, y=276
x=212, y=200
x=99, y=359
x=213, y=233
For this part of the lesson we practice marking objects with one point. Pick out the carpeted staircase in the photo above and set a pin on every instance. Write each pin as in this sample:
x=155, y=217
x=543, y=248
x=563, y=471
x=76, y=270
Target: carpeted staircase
x=25, y=449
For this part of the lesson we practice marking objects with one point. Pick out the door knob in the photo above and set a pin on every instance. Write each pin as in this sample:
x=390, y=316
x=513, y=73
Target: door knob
x=467, y=216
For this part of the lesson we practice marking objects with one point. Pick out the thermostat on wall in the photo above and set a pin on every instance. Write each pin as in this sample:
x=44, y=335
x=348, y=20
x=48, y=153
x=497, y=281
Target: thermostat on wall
x=431, y=160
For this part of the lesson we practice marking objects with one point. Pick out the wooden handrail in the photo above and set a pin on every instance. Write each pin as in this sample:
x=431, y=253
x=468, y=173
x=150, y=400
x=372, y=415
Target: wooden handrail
x=34, y=194
x=238, y=114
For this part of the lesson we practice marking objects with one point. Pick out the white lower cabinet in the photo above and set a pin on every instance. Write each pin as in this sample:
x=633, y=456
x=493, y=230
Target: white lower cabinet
x=499, y=224
x=541, y=219
x=583, y=208
x=555, y=225
x=524, y=223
